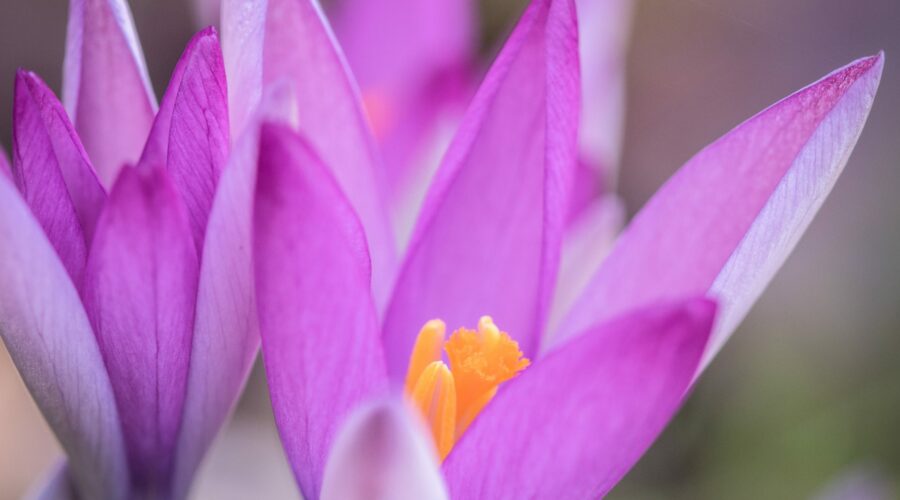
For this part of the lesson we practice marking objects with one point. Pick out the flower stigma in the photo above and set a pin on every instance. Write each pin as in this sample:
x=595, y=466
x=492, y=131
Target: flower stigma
x=451, y=397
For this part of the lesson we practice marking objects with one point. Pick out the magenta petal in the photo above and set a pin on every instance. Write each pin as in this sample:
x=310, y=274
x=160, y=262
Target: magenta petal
x=49, y=338
x=106, y=89
x=488, y=239
x=316, y=314
x=191, y=135
x=53, y=173
x=139, y=291
x=727, y=220
x=383, y=452
x=226, y=332
x=299, y=46
x=574, y=423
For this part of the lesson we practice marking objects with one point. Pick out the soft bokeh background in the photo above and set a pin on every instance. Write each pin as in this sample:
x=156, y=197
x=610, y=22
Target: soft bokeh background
x=804, y=401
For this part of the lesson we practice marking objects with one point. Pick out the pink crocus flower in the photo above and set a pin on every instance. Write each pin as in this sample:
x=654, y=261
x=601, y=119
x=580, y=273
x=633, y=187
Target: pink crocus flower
x=339, y=317
x=115, y=276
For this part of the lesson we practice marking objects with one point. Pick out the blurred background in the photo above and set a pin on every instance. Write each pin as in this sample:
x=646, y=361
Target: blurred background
x=804, y=402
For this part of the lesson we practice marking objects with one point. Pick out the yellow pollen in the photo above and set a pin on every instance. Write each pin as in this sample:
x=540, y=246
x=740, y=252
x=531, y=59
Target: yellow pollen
x=480, y=360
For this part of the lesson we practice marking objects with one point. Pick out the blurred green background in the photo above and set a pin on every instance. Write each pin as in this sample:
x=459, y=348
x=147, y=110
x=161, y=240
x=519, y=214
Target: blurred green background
x=804, y=398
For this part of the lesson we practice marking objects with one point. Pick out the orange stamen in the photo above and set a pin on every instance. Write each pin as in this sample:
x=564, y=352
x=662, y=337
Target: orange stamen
x=480, y=360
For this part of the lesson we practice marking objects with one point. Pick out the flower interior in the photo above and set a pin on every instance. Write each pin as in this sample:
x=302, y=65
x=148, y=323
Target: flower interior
x=451, y=397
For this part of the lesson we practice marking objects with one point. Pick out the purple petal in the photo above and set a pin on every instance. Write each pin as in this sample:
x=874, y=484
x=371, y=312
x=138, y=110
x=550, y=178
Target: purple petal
x=190, y=135
x=574, y=423
x=298, y=46
x=53, y=173
x=603, y=29
x=489, y=236
x=412, y=61
x=226, y=332
x=106, y=89
x=725, y=223
x=49, y=338
x=383, y=452
x=317, y=318
x=139, y=291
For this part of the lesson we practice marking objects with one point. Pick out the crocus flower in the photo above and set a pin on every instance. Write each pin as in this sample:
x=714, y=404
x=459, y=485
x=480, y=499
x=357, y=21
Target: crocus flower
x=518, y=409
x=117, y=305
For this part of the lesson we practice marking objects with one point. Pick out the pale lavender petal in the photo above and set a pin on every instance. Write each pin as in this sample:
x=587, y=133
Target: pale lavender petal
x=139, y=291
x=589, y=238
x=49, y=338
x=317, y=318
x=383, y=452
x=191, y=135
x=243, y=35
x=603, y=28
x=226, y=332
x=56, y=485
x=53, y=173
x=489, y=235
x=727, y=220
x=574, y=423
x=412, y=61
x=105, y=85
x=299, y=46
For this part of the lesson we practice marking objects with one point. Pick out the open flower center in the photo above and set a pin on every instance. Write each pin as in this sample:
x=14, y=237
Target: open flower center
x=451, y=397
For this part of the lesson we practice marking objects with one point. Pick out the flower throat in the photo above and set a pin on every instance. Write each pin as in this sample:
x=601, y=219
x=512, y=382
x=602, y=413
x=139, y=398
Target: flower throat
x=451, y=397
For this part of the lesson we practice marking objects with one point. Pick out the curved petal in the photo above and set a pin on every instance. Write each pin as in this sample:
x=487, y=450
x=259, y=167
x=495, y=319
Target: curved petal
x=297, y=39
x=56, y=485
x=191, y=135
x=243, y=35
x=53, y=173
x=727, y=220
x=316, y=315
x=603, y=29
x=226, y=331
x=573, y=424
x=49, y=338
x=489, y=235
x=139, y=291
x=412, y=61
x=383, y=452
x=106, y=89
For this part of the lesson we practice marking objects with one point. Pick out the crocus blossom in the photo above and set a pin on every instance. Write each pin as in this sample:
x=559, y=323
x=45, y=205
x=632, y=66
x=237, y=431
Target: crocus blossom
x=112, y=294
x=521, y=410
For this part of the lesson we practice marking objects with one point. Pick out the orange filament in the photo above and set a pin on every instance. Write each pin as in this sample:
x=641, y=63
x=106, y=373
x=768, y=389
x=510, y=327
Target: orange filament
x=451, y=398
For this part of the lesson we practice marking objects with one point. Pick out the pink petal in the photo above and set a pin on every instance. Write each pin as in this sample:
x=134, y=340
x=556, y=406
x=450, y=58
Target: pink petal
x=53, y=173
x=412, y=61
x=317, y=318
x=106, y=89
x=603, y=28
x=574, y=423
x=727, y=220
x=49, y=338
x=139, y=291
x=489, y=236
x=298, y=46
x=226, y=332
x=383, y=452
x=191, y=135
